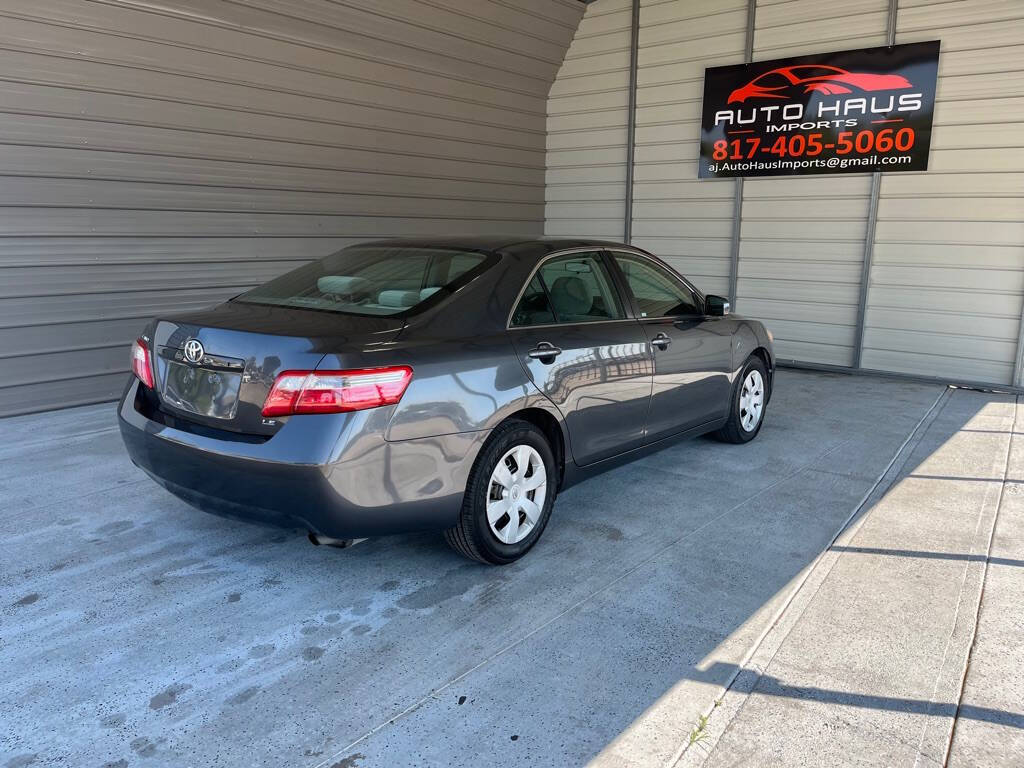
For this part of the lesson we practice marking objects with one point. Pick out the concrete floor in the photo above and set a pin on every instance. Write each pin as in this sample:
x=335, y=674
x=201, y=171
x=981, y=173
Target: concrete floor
x=137, y=631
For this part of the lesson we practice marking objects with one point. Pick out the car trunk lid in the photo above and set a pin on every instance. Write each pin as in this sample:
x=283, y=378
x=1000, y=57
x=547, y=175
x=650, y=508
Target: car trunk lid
x=215, y=367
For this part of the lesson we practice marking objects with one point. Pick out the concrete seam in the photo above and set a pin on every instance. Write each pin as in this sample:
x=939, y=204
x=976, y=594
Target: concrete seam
x=984, y=578
x=934, y=718
x=633, y=569
x=849, y=526
x=978, y=386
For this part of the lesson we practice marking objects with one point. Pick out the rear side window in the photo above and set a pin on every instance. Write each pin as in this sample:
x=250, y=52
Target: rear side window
x=372, y=280
x=569, y=289
x=657, y=292
x=577, y=289
x=533, y=308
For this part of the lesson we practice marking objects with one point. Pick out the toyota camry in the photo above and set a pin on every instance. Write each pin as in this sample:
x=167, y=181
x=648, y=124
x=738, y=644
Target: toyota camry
x=456, y=385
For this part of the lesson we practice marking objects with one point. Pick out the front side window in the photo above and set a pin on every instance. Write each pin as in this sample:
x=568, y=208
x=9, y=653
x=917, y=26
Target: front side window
x=370, y=280
x=569, y=289
x=657, y=292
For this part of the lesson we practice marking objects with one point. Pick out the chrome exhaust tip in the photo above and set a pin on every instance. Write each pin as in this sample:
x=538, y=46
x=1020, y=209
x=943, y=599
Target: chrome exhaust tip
x=317, y=540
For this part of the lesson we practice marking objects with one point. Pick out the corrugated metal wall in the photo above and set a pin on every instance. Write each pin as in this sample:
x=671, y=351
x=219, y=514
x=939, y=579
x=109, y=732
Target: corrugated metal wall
x=164, y=155
x=586, y=157
x=687, y=222
x=802, y=239
x=947, y=281
x=948, y=277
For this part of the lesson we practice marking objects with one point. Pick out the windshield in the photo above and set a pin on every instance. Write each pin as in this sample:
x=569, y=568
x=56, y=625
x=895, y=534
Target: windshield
x=371, y=280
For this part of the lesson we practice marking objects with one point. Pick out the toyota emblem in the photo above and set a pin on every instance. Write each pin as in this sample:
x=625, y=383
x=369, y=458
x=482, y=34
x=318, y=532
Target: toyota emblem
x=193, y=350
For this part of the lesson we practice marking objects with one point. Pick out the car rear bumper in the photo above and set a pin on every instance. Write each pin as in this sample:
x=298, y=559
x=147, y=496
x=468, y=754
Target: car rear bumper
x=334, y=475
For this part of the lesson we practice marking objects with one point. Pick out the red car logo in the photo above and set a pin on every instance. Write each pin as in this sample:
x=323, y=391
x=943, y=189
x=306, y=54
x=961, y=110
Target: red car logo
x=785, y=82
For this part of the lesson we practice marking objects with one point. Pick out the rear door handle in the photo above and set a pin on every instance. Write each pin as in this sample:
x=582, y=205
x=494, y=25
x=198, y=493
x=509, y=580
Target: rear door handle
x=661, y=341
x=544, y=352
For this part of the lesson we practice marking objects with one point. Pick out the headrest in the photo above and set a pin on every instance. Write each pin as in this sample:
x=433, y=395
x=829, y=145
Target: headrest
x=426, y=293
x=571, y=297
x=343, y=284
x=398, y=298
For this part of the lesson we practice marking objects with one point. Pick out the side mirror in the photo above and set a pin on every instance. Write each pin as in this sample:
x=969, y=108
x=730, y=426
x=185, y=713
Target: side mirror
x=716, y=306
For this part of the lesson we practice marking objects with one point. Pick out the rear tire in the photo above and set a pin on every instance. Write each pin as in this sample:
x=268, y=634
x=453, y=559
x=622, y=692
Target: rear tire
x=750, y=394
x=509, y=496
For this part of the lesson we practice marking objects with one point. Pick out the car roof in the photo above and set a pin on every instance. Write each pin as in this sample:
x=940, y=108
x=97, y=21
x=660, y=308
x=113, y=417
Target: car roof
x=496, y=243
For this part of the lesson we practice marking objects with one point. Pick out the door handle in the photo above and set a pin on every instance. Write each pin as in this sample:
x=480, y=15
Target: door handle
x=661, y=341
x=544, y=352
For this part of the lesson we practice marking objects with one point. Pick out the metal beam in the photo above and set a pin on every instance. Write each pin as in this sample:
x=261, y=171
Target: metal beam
x=1018, y=365
x=865, y=268
x=869, y=233
x=737, y=199
x=634, y=45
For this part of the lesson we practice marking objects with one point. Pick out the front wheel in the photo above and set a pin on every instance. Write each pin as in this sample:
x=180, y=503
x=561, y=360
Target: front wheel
x=509, y=496
x=749, y=399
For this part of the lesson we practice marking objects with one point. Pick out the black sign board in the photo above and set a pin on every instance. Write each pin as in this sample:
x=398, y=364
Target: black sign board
x=843, y=112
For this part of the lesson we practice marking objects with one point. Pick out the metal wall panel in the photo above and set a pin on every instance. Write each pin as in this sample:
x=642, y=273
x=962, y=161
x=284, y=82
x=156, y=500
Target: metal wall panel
x=685, y=221
x=586, y=124
x=947, y=272
x=164, y=155
x=802, y=238
x=945, y=296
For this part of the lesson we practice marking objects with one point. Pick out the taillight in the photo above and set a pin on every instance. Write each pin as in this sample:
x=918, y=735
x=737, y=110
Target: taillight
x=336, y=391
x=142, y=365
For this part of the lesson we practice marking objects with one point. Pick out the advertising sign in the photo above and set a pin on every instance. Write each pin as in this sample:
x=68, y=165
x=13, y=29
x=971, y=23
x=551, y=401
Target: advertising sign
x=843, y=112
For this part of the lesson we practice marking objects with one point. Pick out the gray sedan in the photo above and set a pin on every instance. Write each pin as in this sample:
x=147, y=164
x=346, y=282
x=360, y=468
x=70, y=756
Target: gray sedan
x=454, y=385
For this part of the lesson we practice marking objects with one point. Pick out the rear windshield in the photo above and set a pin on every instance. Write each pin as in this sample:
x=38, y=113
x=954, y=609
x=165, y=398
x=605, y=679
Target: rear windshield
x=371, y=280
